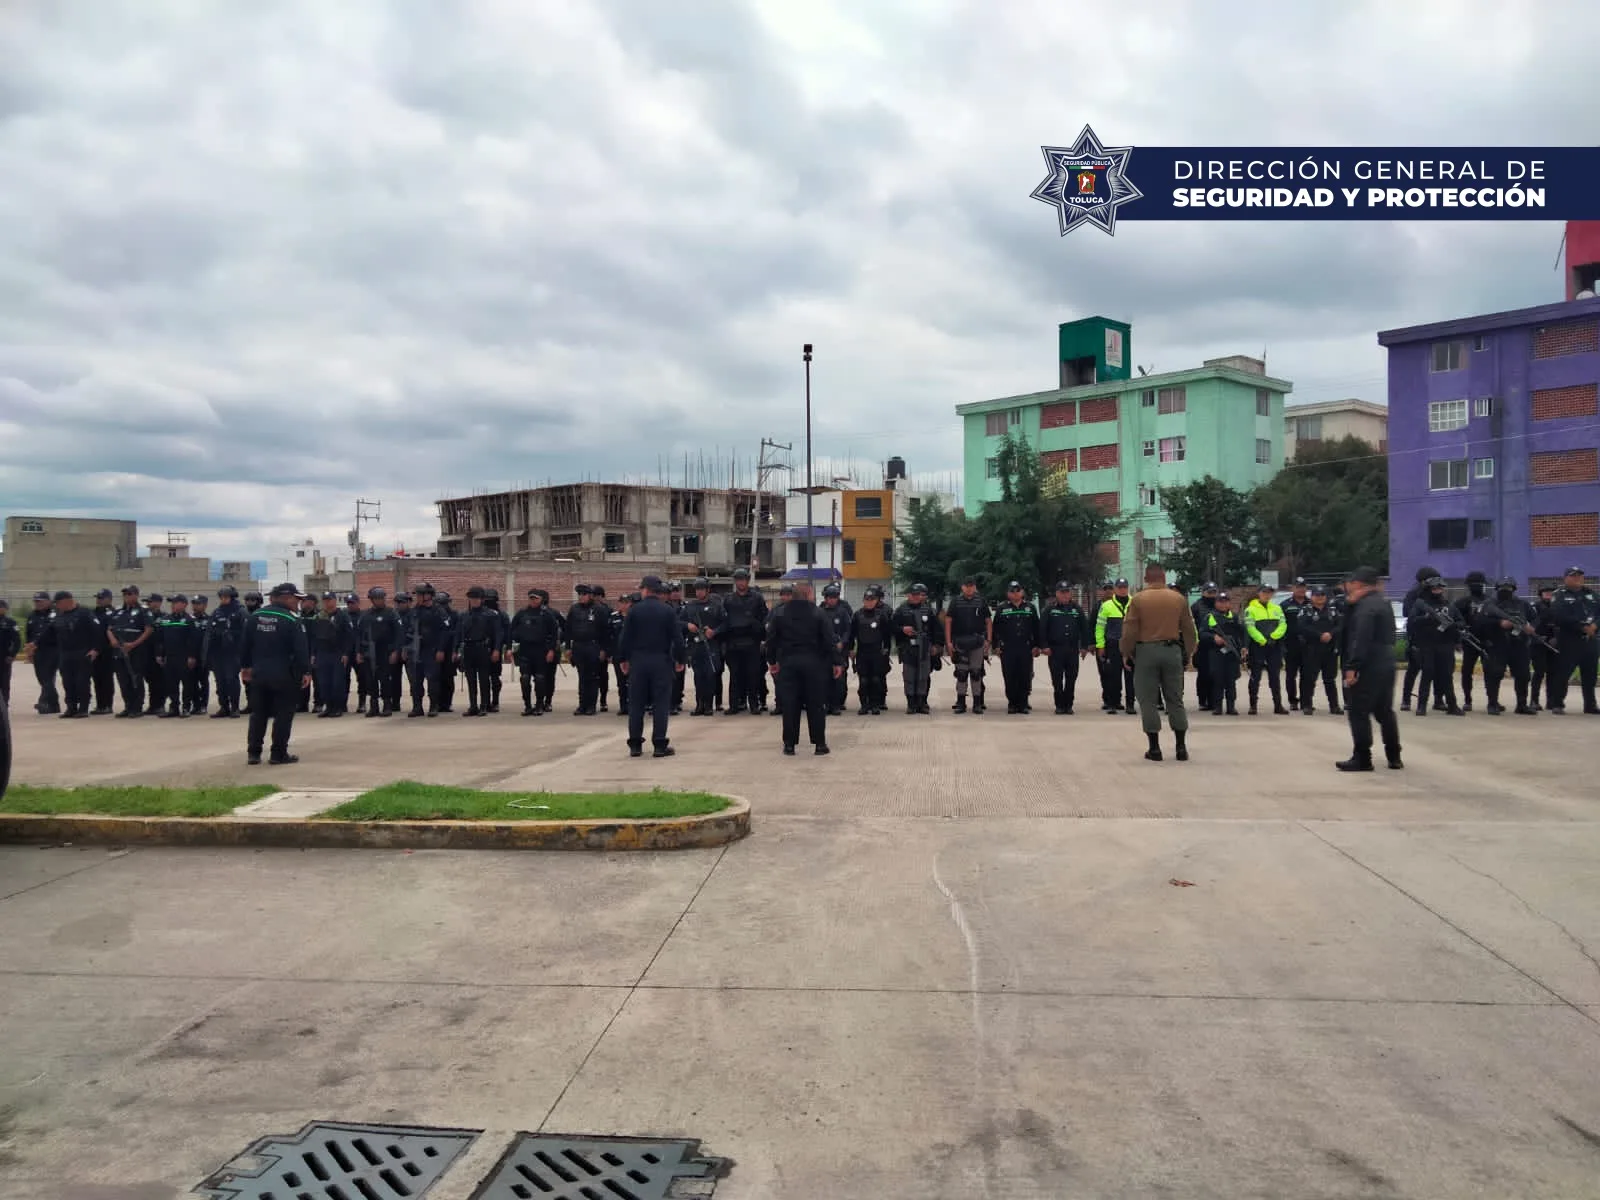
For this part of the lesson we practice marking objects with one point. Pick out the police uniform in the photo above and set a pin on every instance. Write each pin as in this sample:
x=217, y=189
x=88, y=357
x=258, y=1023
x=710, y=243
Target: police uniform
x=378, y=636
x=871, y=633
x=103, y=671
x=803, y=647
x=1575, y=615
x=477, y=645
x=1116, y=677
x=651, y=645
x=332, y=640
x=1467, y=610
x=920, y=636
x=588, y=634
x=1433, y=631
x=1223, y=639
x=1413, y=659
x=1065, y=637
x=613, y=628
x=177, y=650
x=491, y=601
x=448, y=618
x=1200, y=610
x=154, y=679
x=1319, y=630
x=739, y=635
x=839, y=618
x=536, y=634
x=45, y=657
x=1267, y=628
x=697, y=617
x=425, y=651
x=10, y=647
x=615, y=618
x=198, y=698
x=74, y=637
x=1506, y=626
x=1293, y=645
x=276, y=659
x=1017, y=638
x=967, y=625
x=131, y=632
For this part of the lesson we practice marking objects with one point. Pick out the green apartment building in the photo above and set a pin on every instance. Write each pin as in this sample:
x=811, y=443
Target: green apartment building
x=1121, y=437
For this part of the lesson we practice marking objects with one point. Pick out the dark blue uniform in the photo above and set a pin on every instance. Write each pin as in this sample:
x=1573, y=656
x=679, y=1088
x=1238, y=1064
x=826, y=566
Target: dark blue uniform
x=377, y=640
x=10, y=647
x=651, y=643
x=738, y=635
x=224, y=637
x=478, y=643
x=72, y=636
x=45, y=658
x=1065, y=635
x=332, y=640
x=801, y=644
x=276, y=655
x=426, y=649
x=130, y=637
x=177, y=650
x=588, y=634
x=536, y=632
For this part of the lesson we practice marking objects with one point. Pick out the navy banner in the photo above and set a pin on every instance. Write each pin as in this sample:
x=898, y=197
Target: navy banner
x=1091, y=183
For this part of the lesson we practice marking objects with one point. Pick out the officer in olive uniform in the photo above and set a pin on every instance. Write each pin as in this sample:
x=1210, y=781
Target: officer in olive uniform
x=1017, y=636
x=1065, y=637
x=968, y=632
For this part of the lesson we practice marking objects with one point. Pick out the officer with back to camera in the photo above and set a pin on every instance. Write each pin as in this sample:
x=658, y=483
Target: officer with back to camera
x=968, y=633
x=45, y=658
x=1369, y=670
x=839, y=619
x=275, y=664
x=74, y=636
x=652, y=651
x=803, y=657
x=1066, y=641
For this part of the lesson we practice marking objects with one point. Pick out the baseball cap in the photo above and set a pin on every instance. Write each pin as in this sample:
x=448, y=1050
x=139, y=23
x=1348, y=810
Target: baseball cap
x=1063, y=586
x=284, y=589
x=103, y=594
x=1120, y=583
x=1013, y=586
x=41, y=595
x=650, y=583
x=63, y=596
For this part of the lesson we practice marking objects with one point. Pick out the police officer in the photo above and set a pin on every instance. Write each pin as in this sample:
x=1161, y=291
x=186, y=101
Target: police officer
x=199, y=677
x=1116, y=679
x=968, y=632
x=871, y=632
x=275, y=664
x=129, y=638
x=679, y=678
x=74, y=637
x=1433, y=630
x=404, y=606
x=252, y=602
x=839, y=618
x=537, y=637
x=1467, y=610
x=355, y=679
x=603, y=678
x=547, y=680
x=378, y=654
x=103, y=671
x=447, y=666
x=1319, y=628
x=1368, y=652
x=307, y=613
x=614, y=619
x=1222, y=640
x=1201, y=609
x=803, y=657
x=739, y=635
x=155, y=680
x=1575, y=612
x=1266, y=627
x=697, y=617
x=333, y=648
x=1293, y=646
x=1543, y=653
x=652, y=652
x=426, y=649
x=10, y=647
x=920, y=636
x=1506, y=626
x=46, y=659
x=177, y=652
x=477, y=651
x=1017, y=637
x=1065, y=639
x=491, y=601
x=785, y=595
x=224, y=634
x=588, y=634
x=1413, y=658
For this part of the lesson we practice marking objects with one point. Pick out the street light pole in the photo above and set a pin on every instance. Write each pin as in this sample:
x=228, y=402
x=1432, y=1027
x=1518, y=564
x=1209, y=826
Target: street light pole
x=811, y=538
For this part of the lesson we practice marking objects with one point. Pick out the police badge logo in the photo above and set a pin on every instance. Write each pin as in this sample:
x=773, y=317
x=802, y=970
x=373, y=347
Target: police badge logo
x=1087, y=182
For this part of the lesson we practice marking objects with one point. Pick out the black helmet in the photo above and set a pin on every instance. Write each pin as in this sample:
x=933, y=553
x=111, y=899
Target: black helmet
x=490, y=594
x=873, y=593
x=201, y=600
x=442, y=597
x=227, y=592
x=1426, y=573
x=376, y=593
x=1433, y=582
x=831, y=590
x=474, y=593
x=919, y=589
x=1477, y=577
x=742, y=573
x=1507, y=584
x=256, y=596
x=402, y=597
x=597, y=591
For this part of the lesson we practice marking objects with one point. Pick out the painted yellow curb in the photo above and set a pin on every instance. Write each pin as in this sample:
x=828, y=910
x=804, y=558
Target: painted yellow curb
x=671, y=833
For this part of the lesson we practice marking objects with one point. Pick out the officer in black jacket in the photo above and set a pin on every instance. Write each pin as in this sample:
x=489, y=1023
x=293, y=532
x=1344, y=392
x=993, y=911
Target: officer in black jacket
x=103, y=671
x=491, y=601
x=839, y=618
x=378, y=653
x=354, y=677
x=1506, y=626
x=477, y=651
x=74, y=637
x=1017, y=638
x=425, y=649
x=588, y=632
x=177, y=651
x=739, y=635
x=1369, y=668
x=1434, y=632
x=331, y=640
x=803, y=657
x=615, y=616
x=130, y=637
x=10, y=647
x=275, y=663
x=1319, y=628
x=652, y=652
x=1413, y=657
x=871, y=636
x=1542, y=657
x=537, y=636
x=968, y=632
x=224, y=637
x=698, y=617
x=1575, y=614
x=1065, y=638
x=1293, y=646
x=45, y=658
x=1200, y=610
x=1467, y=610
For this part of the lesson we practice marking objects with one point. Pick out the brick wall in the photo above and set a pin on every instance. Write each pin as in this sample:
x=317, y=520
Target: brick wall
x=1564, y=529
x=1092, y=411
x=1052, y=460
x=1564, y=466
x=1107, y=502
x=1098, y=458
x=1569, y=337
x=1555, y=404
x=1109, y=552
x=1058, y=416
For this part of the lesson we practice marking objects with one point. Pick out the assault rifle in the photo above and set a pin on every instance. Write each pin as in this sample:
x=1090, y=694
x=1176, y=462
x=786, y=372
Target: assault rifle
x=1520, y=625
x=1445, y=617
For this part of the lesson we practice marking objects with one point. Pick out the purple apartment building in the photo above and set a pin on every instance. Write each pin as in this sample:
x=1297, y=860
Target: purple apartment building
x=1494, y=444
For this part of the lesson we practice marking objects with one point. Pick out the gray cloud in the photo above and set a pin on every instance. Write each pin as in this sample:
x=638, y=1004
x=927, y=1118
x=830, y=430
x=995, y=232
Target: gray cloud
x=259, y=259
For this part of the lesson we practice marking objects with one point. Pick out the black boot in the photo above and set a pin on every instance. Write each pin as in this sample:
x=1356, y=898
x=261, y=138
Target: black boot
x=1154, y=753
x=1394, y=759
x=1182, y=754
x=960, y=706
x=1356, y=762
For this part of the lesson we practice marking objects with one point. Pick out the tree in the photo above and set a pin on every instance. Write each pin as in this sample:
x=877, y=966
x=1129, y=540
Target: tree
x=1328, y=511
x=1217, y=534
x=931, y=549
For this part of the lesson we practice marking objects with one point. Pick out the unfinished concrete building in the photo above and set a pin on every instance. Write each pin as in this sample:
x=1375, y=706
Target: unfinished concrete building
x=684, y=531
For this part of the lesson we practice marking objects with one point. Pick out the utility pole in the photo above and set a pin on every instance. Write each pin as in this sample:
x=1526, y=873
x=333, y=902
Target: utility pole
x=764, y=468
x=811, y=537
x=366, y=510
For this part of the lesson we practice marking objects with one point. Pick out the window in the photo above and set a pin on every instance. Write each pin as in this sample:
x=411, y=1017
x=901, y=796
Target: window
x=1445, y=415
x=994, y=424
x=1014, y=417
x=615, y=543
x=847, y=550
x=1447, y=475
x=805, y=553
x=1483, y=406
x=1149, y=449
x=685, y=543
x=1172, y=400
x=1483, y=531
x=1168, y=545
x=1308, y=429
x=299, y=553
x=869, y=508
x=1448, y=534
x=1479, y=342
x=1173, y=449
x=1446, y=357
x=1263, y=402
x=1149, y=498
x=31, y=527
x=1263, y=451
x=566, y=541
x=1483, y=468
x=1147, y=399
x=888, y=550
x=991, y=468
x=913, y=505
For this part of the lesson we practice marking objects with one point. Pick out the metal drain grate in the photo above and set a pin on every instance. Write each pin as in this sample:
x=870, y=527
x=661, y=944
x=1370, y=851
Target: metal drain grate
x=329, y=1160
x=543, y=1166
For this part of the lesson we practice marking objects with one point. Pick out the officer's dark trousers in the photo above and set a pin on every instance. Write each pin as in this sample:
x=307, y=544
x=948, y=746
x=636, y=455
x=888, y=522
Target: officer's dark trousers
x=1317, y=659
x=529, y=671
x=1372, y=699
x=622, y=687
x=475, y=670
x=445, y=683
x=75, y=681
x=649, y=686
x=803, y=688
x=546, y=690
x=744, y=676
x=103, y=674
x=716, y=671
x=274, y=702
x=705, y=677
x=130, y=678
x=586, y=661
x=872, y=676
x=424, y=682
x=179, y=691
x=1540, y=661
x=199, y=688
x=5, y=681
x=1268, y=658
x=1469, y=661
x=45, y=665
x=1437, y=676
x=392, y=674
x=1016, y=668
x=1578, y=654
x=1116, y=680
x=1413, y=669
x=155, y=680
x=1064, y=674
x=1202, y=676
x=680, y=680
x=331, y=681
x=838, y=691
x=603, y=682
x=1224, y=679
x=225, y=666
x=1509, y=654
x=1293, y=666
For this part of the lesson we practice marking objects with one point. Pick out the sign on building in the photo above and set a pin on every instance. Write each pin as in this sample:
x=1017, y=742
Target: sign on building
x=1114, y=348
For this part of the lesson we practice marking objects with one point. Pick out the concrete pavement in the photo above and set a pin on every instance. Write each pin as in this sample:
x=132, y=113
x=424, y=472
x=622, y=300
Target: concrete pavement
x=988, y=981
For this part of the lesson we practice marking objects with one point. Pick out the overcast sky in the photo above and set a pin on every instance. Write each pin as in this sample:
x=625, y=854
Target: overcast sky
x=258, y=259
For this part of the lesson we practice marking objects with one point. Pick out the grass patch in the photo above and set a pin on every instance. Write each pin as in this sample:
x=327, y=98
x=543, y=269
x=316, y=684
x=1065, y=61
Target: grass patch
x=408, y=801
x=132, y=801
